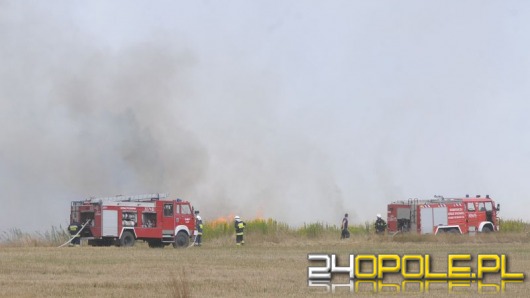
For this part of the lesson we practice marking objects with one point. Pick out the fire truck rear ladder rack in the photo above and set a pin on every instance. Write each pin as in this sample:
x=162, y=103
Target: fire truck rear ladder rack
x=413, y=203
x=135, y=198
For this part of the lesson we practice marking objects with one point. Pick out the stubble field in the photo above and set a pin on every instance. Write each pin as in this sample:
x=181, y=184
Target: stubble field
x=220, y=269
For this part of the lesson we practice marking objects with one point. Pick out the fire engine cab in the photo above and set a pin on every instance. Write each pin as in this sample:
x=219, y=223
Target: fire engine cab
x=121, y=220
x=441, y=215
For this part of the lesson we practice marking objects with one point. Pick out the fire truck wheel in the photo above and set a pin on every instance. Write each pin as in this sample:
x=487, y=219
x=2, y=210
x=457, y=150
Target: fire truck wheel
x=181, y=240
x=487, y=229
x=127, y=239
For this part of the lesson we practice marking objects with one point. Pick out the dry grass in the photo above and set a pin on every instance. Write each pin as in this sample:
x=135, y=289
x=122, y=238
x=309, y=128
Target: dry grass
x=264, y=268
x=16, y=237
x=179, y=286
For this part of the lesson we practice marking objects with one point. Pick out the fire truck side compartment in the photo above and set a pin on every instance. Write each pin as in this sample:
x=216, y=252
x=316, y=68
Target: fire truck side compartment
x=110, y=223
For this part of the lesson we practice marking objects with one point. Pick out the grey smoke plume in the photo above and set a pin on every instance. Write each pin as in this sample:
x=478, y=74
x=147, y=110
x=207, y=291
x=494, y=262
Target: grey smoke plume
x=80, y=120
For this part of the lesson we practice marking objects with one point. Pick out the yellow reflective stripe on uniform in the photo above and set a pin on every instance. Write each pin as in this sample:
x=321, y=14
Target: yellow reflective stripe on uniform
x=240, y=225
x=200, y=226
x=239, y=234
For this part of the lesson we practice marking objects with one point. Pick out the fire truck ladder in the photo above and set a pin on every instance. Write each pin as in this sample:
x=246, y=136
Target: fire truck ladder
x=135, y=198
x=413, y=203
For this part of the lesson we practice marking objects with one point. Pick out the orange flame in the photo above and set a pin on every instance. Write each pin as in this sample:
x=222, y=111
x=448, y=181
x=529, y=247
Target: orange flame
x=222, y=220
x=230, y=218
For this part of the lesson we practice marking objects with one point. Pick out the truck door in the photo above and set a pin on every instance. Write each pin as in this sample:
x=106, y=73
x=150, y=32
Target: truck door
x=481, y=212
x=168, y=223
x=186, y=216
x=472, y=216
x=489, y=211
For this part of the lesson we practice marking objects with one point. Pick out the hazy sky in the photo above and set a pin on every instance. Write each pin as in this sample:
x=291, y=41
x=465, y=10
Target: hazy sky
x=296, y=110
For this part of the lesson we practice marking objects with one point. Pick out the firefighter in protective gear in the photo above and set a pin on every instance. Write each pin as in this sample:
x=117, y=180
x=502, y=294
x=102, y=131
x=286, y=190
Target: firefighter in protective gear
x=380, y=225
x=344, y=228
x=74, y=229
x=240, y=230
x=198, y=228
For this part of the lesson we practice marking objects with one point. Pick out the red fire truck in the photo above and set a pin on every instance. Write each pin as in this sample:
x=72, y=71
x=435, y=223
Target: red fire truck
x=442, y=215
x=121, y=220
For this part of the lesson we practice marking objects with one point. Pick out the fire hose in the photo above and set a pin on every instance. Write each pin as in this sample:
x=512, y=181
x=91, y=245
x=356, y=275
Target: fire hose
x=194, y=241
x=79, y=232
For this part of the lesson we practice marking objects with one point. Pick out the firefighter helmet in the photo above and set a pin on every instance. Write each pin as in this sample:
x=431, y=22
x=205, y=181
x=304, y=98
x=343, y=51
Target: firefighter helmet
x=378, y=215
x=199, y=217
x=237, y=217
